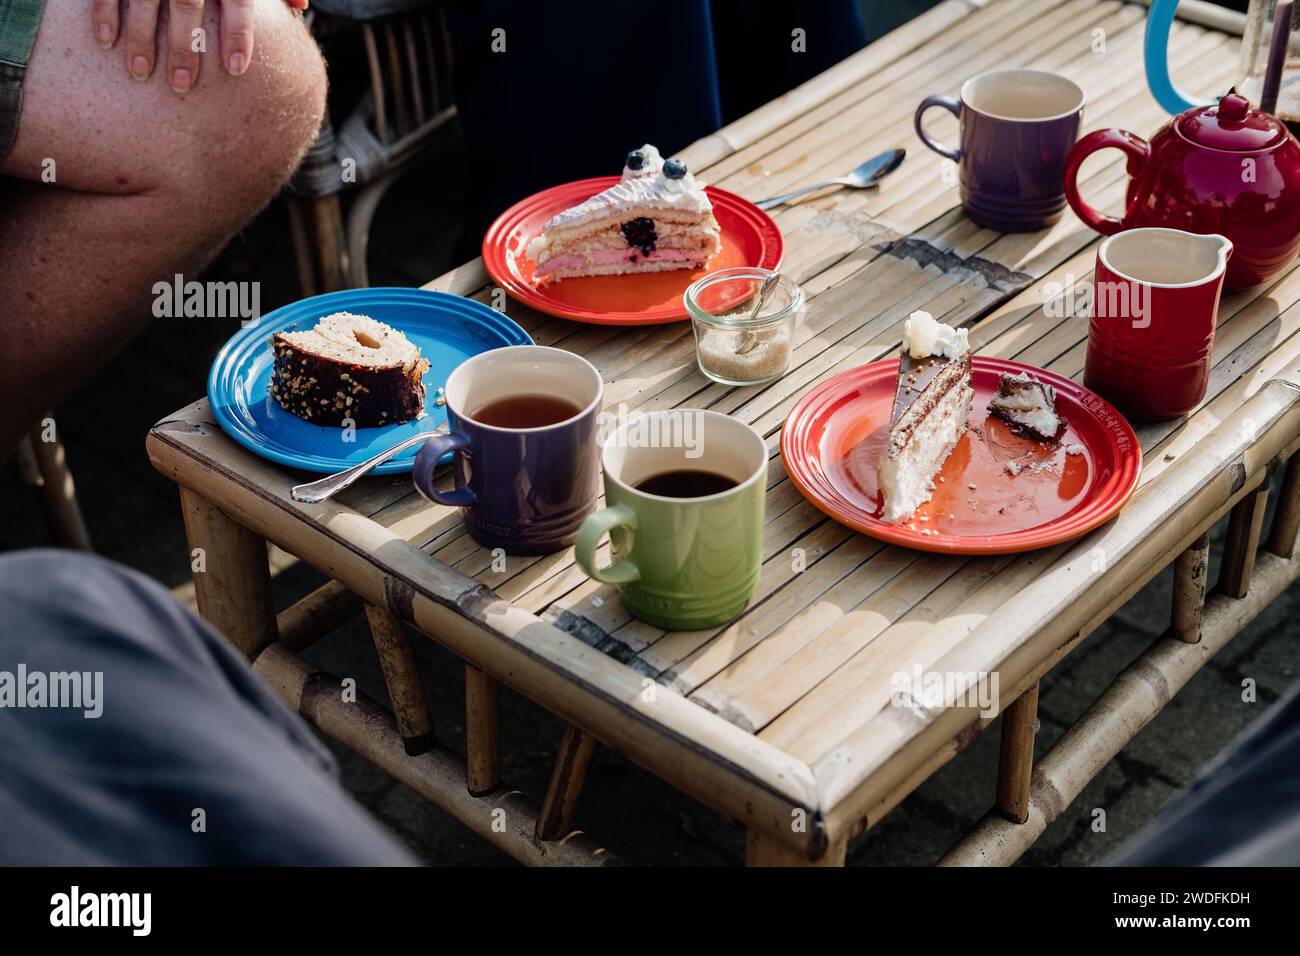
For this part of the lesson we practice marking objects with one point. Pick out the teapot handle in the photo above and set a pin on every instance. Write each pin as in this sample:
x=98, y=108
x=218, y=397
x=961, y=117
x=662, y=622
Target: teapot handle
x=1138, y=150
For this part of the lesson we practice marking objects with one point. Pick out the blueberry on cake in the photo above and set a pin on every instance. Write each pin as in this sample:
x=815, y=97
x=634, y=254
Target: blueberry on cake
x=348, y=367
x=1027, y=405
x=932, y=402
x=657, y=217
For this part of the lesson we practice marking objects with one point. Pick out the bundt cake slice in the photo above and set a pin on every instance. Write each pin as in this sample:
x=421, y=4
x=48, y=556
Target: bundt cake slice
x=348, y=367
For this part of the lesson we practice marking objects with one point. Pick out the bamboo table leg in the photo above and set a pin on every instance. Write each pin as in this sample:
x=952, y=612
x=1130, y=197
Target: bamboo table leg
x=762, y=849
x=1191, y=568
x=1242, y=542
x=482, y=734
x=327, y=608
x=1016, y=757
x=397, y=660
x=1286, y=521
x=232, y=579
x=556, y=818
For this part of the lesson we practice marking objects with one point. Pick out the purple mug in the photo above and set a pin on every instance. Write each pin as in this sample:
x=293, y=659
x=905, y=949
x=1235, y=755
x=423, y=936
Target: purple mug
x=1017, y=127
x=523, y=489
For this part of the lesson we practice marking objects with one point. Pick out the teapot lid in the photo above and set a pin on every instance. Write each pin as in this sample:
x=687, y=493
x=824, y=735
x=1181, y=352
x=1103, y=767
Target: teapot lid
x=1230, y=124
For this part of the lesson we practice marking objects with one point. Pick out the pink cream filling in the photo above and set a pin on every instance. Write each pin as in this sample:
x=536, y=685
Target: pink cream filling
x=606, y=256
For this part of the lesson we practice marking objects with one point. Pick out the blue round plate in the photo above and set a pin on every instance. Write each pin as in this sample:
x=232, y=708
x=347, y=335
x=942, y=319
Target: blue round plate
x=447, y=329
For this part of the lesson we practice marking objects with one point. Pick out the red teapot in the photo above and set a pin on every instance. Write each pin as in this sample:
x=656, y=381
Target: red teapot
x=1225, y=169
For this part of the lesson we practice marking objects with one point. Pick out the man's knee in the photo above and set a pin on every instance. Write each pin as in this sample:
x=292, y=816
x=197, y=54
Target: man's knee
x=236, y=137
x=282, y=113
x=260, y=124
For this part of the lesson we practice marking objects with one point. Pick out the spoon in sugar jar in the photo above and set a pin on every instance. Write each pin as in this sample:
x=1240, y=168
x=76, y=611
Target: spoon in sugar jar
x=750, y=340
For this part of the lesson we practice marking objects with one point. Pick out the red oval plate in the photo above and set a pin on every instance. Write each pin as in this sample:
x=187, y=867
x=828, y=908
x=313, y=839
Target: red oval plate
x=749, y=238
x=833, y=438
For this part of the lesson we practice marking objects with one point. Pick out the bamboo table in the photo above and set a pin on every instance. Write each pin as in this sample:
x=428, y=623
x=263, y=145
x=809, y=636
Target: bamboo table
x=782, y=720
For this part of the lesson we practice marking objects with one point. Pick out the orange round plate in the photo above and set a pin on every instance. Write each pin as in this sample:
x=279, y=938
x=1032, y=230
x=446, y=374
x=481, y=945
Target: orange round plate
x=749, y=238
x=833, y=439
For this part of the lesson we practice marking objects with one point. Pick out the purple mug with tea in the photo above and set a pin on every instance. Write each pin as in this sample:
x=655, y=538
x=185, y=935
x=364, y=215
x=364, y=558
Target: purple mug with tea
x=526, y=463
x=1017, y=127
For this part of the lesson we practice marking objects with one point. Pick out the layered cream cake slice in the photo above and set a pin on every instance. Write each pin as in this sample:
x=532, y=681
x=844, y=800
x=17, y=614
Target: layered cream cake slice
x=657, y=217
x=932, y=402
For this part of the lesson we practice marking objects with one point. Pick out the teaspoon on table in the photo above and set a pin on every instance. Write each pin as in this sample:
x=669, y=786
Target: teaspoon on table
x=314, y=492
x=865, y=176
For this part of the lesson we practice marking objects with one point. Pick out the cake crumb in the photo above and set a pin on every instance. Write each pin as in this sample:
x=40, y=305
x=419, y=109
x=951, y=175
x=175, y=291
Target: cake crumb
x=1013, y=467
x=1075, y=449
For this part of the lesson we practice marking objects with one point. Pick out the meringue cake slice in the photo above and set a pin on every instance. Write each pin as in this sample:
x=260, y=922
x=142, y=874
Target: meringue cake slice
x=656, y=218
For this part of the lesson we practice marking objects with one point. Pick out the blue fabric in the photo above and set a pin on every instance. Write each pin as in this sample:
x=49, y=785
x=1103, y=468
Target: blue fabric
x=581, y=83
x=364, y=10
x=185, y=725
x=1242, y=809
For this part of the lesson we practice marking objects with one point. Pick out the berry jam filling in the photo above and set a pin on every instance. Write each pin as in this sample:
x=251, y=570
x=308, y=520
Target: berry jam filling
x=639, y=233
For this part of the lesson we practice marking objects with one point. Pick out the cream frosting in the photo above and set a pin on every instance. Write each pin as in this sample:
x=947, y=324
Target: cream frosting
x=923, y=336
x=655, y=191
x=654, y=164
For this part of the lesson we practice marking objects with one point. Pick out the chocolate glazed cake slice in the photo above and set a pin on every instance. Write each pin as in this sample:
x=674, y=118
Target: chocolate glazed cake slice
x=932, y=402
x=349, y=368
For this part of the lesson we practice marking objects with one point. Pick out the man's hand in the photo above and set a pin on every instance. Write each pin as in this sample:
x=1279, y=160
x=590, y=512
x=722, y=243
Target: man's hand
x=183, y=41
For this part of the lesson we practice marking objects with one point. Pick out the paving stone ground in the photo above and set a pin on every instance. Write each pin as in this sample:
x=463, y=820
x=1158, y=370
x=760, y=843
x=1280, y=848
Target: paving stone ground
x=134, y=518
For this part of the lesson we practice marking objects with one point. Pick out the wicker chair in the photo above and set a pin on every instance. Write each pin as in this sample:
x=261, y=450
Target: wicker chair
x=43, y=463
x=399, y=121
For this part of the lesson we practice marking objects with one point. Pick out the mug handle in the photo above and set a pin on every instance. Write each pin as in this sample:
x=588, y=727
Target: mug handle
x=595, y=527
x=426, y=462
x=1138, y=151
x=953, y=107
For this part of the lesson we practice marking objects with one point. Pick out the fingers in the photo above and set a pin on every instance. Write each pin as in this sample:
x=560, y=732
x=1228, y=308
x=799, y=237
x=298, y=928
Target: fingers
x=141, y=37
x=103, y=20
x=184, y=34
x=236, y=35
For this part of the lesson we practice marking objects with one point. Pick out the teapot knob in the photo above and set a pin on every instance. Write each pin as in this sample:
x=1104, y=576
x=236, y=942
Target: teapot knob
x=1234, y=107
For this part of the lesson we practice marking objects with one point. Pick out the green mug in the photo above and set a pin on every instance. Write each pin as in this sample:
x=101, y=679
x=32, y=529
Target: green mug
x=683, y=558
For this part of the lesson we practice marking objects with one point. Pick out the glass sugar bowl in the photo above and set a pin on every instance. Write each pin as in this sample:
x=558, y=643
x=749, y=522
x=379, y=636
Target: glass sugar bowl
x=732, y=345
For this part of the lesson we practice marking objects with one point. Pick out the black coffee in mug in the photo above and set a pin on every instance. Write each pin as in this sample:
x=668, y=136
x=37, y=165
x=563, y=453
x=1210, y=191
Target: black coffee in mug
x=525, y=411
x=686, y=483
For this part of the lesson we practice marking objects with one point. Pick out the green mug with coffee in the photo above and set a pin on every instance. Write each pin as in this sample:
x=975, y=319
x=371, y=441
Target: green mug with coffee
x=684, y=492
